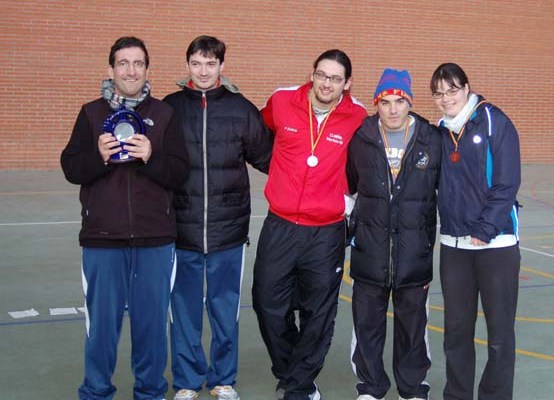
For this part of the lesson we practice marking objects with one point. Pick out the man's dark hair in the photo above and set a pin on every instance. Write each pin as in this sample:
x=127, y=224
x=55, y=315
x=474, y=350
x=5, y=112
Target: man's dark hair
x=125, y=42
x=338, y=56
x=207, y=46
x=451, y=73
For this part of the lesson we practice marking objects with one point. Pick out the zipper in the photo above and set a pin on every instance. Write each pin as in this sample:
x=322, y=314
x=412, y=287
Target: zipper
x=306, y=169
x=205, y=168
x=392, y=182
x=409, y=148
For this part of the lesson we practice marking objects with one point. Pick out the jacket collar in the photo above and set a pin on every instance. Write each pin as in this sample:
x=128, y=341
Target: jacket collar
x=224, y=84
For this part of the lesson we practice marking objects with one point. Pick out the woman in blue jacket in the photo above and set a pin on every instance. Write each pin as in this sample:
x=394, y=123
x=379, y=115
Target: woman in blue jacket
x=480, y=177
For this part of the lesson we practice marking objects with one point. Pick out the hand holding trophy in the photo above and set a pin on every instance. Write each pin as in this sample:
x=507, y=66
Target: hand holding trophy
x=122, y=125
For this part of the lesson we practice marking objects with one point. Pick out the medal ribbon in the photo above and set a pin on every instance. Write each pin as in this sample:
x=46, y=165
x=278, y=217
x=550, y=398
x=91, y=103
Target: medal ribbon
x=455, y=140
x=386, y=141
x=319, y=131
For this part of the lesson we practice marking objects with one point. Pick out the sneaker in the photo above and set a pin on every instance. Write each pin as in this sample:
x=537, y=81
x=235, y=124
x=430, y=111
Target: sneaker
x=315, y=395
x=185, y=394
x=224, y=393
x=367, y=397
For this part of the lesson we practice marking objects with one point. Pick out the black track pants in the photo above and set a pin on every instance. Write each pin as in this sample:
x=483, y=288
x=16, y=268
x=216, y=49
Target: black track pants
x=411, y=359
x=297, y=268
x=493, y=274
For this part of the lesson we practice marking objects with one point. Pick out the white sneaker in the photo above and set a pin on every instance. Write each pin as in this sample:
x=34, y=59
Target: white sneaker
x=367, y=397
x=315, y=395
x=185, y=394
x=224, y=393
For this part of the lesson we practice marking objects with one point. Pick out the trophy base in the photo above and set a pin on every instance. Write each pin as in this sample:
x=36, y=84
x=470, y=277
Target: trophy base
x=121, y=157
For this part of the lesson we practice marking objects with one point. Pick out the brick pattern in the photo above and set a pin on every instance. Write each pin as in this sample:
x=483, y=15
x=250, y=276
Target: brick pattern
x=54, y=55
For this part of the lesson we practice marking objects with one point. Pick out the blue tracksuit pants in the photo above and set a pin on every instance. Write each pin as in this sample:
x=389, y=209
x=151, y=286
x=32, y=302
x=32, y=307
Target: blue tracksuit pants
x=223, y=272
x=140, y=279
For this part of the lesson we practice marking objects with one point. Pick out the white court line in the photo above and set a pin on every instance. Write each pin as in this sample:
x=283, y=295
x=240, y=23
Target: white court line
x=536, y=251
x=252, y=216
x=70, y=222
x=39, y=223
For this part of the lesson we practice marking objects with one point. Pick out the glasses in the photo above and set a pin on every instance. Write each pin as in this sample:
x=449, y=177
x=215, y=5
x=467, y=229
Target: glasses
x=449, y=93
x=321, y=76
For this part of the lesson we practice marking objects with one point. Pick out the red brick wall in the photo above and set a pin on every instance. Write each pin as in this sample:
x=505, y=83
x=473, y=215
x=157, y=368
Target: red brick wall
x=54, y=56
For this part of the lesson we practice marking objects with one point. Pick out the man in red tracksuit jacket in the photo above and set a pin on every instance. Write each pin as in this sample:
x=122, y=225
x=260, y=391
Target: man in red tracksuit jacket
x=300, y=255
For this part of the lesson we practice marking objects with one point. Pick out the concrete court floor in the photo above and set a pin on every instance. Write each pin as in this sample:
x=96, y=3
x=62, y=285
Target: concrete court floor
x=41, y=356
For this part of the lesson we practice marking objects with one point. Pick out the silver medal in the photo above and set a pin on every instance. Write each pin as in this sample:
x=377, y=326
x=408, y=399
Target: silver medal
x=312, y=161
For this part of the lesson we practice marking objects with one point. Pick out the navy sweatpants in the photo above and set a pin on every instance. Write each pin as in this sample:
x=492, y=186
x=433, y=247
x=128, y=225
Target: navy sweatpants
x=297, y=268
x=465, y=275
x=140, y=279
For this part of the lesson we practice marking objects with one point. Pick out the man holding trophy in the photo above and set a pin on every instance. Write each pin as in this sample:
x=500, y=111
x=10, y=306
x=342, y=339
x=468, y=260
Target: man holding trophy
x=128, y=156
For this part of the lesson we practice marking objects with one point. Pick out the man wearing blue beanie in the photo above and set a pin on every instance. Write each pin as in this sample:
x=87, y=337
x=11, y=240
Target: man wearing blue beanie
x=393, y=166
x=394, y=82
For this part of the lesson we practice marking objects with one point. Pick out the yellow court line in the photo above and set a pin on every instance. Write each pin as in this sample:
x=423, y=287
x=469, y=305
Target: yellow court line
x=537, y=320
x=537, y=272
x=477, y=341
x=348, y=280
x=521, y=319
x=535, y=355
x=345, y=298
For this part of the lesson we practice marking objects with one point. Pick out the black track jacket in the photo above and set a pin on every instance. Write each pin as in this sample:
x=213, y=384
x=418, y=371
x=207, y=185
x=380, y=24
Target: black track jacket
x=394, y=224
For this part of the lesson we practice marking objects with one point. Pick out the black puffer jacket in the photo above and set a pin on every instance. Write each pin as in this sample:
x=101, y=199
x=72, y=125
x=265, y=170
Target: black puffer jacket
x=223, y=132
x=127, y=204
x=394, y=224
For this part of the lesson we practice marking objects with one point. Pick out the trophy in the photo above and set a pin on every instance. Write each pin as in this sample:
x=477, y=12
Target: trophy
x=123, y=124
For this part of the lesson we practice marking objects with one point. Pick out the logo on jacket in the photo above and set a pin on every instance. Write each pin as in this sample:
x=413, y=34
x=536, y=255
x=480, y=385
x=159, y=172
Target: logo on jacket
x=335, y=138
x=148, y=122
x=423, y=161
x=290, y=129
x=477, y=139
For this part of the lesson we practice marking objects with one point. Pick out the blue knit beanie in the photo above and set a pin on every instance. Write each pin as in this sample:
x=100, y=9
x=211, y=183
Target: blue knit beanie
x=394, y=82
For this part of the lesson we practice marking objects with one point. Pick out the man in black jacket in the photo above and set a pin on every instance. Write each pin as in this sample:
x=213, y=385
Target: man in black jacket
x=128, y=230
x=223, y=131
x=393, y=166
